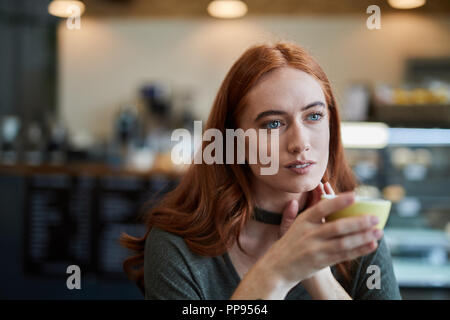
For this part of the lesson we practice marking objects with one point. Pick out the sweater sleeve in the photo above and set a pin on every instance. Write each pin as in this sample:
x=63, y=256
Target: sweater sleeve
x=167, y=273
x=376, y=278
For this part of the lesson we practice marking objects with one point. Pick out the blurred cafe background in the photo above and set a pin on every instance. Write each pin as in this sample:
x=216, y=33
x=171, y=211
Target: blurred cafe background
x=91, y=90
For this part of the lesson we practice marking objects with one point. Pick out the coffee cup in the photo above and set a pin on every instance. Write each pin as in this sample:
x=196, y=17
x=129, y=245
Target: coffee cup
x=363, y=206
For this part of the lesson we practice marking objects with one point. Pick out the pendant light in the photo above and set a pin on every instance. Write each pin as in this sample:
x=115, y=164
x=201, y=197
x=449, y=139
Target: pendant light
x=227, y=9
x=66, y=8
x=406, y=4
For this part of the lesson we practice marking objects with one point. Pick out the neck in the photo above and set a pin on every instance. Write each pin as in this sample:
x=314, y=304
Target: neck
x=274, y=200
x=257, y=237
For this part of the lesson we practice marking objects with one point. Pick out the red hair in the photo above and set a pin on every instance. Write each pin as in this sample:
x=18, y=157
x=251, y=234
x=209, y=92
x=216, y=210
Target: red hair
x=212, y=203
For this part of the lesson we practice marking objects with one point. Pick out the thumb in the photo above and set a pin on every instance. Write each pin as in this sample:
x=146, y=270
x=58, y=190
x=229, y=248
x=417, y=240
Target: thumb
x=288, y=217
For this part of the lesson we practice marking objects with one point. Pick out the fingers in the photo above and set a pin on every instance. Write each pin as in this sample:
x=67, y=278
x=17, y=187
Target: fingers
x=346, y=244
x=328, y=188
x=322, y=189
x=325, y=207
x=355, y=253
x=345, y=226
x=317, y=193
x=288, y=218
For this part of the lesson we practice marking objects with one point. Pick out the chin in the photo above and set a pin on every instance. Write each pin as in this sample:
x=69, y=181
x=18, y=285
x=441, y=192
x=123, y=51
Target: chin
x=303, y=188
x=299, y=186
x=292, y=184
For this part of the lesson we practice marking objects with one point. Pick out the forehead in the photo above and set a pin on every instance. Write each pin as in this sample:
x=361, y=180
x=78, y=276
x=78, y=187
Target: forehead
x=284, y=88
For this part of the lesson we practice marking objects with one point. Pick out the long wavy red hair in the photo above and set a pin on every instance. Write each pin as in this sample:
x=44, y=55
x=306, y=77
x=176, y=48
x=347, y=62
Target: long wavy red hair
x=212, y=203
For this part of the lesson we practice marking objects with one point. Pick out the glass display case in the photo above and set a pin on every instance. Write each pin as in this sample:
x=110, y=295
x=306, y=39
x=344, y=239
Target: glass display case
x=410, y=167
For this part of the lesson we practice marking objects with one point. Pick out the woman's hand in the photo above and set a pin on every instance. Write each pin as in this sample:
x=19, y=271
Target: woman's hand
x=290, y=213
x=323, y=276
x=322, y=284
x=308, y=245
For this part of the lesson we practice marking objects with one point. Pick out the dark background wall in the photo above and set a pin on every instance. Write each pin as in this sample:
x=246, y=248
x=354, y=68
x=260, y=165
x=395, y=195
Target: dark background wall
x=18, y=284
x=28, y=59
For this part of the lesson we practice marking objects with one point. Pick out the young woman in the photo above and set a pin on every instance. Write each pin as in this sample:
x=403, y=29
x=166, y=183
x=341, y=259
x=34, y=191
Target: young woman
x=227, y=231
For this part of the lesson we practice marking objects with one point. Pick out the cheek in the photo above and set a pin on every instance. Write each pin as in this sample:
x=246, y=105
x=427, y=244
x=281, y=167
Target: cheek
x=321, y=138
x=265, y=145
x=324, y=146
x=320, y=145
x=323, y=151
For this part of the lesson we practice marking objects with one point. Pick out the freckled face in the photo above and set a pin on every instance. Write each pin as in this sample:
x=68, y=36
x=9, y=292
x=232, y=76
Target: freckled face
x=292, y=102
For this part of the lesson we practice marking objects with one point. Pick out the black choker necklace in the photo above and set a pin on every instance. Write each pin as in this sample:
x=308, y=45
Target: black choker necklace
x=269, y=217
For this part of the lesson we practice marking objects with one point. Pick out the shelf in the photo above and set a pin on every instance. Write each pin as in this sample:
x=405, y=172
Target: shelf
x=428, y=116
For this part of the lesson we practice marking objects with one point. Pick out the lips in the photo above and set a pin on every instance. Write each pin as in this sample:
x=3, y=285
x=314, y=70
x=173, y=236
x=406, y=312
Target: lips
x=300, y=164
x=300, y=167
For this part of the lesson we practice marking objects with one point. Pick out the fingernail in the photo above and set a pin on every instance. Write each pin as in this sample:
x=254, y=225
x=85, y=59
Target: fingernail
x=349, y=198
x=294, y=203
x=374, y=220
x=377, y=233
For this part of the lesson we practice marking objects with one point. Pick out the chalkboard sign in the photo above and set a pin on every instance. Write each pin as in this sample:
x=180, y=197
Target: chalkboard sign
x=78, y=220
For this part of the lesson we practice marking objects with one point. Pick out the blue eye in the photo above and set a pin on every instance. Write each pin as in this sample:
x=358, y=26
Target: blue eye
x=315, y=116
x=273, y=124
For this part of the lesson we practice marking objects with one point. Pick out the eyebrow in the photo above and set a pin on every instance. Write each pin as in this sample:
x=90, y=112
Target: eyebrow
x=279, y=112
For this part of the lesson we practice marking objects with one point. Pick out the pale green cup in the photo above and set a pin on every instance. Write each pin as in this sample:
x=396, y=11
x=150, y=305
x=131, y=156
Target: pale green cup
x=363, y=206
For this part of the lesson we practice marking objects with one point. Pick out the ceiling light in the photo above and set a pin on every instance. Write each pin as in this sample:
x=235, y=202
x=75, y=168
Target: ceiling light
x=406, y=4
x=66, y=8
x=227, y=9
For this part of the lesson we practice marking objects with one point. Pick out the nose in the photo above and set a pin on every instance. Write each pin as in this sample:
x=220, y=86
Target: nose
x=297, y=139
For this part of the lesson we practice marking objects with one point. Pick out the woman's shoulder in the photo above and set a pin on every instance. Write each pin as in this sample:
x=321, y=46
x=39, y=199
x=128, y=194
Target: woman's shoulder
x=168, y=267
x=374, y=275
x=173, y=271
x=158, y=234
x=167, y=253
x=166, y=247
x=165, y=242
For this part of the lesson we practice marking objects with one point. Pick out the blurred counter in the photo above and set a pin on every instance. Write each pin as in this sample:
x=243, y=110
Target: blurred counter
x=83, y=168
